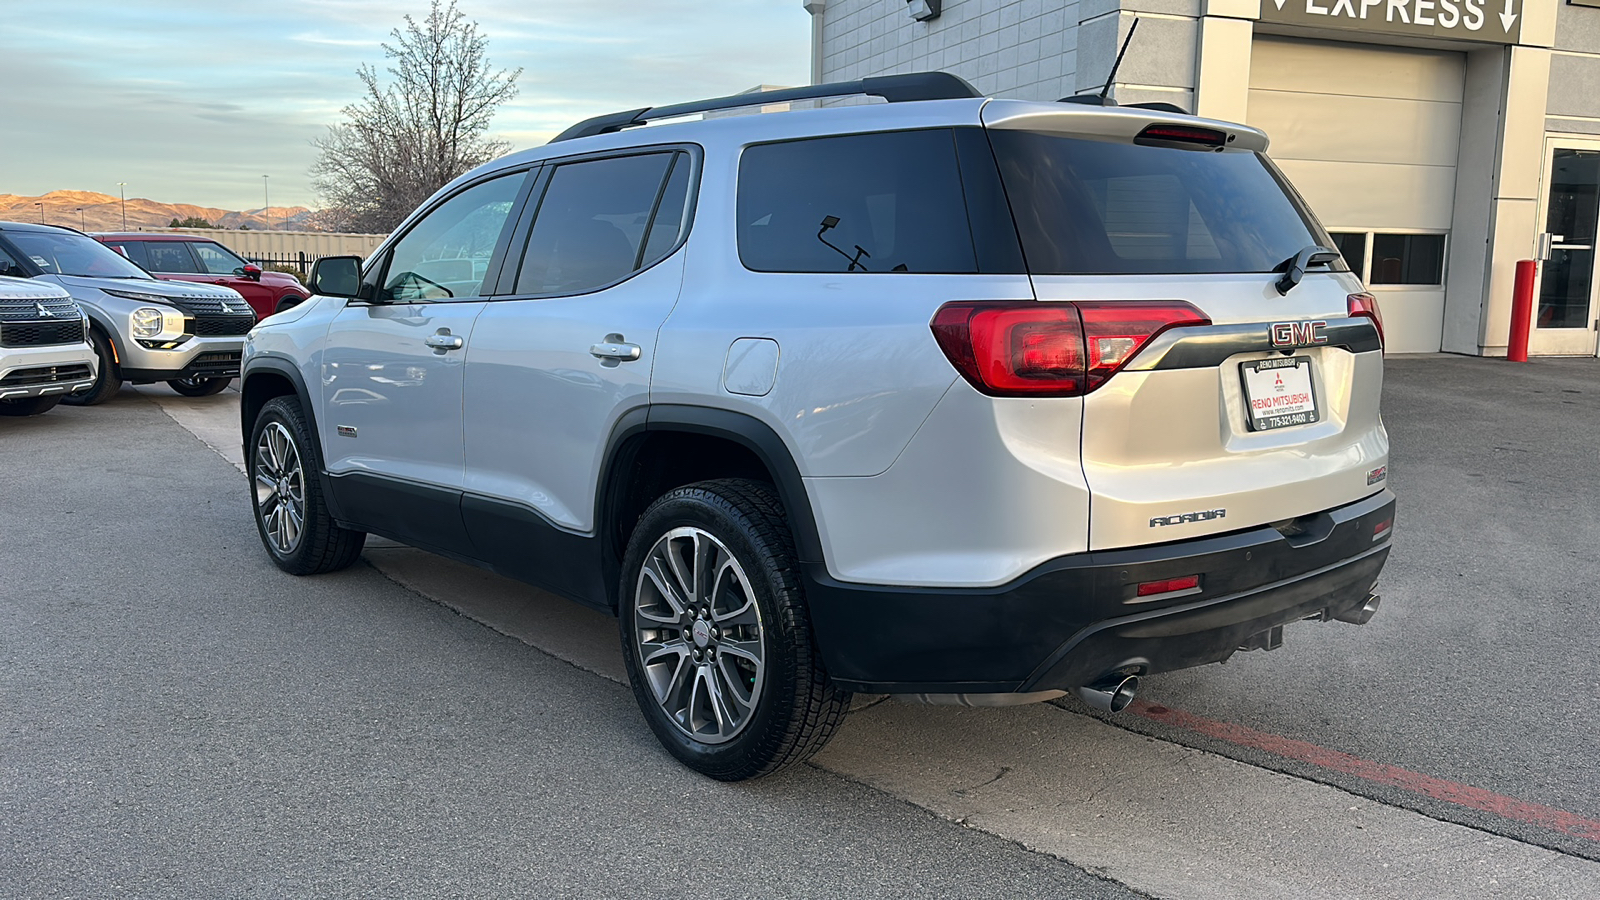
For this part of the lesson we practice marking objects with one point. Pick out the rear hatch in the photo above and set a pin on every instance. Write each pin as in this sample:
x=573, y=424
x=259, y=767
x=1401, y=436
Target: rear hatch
x=1260, y=405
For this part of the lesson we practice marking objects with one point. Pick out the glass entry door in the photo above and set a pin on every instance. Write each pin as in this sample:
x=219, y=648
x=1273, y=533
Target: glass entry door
x=1564, y=309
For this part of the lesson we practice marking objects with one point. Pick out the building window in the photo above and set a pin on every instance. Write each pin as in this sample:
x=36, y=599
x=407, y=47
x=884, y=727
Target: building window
x=1352, y=245
x=1394, y=259
x=1407, y=259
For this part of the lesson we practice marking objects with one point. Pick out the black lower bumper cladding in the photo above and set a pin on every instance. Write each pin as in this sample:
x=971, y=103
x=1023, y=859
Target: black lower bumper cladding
x=211, y=364
x=1071, y=621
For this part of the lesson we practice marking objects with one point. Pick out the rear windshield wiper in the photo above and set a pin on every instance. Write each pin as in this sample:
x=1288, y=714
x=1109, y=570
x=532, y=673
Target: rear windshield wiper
x=1312, y=255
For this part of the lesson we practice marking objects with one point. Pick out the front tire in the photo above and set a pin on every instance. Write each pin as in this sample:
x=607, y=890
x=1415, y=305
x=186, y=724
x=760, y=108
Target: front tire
x=716, y=635
x=29, y=406
x=287, y=301
x=198, y=386
x=107, y=381
x=286, y=493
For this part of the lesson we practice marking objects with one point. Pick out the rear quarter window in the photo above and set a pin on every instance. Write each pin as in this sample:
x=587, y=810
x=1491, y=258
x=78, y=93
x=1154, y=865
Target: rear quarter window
x=1094, y=207
x=883, y=202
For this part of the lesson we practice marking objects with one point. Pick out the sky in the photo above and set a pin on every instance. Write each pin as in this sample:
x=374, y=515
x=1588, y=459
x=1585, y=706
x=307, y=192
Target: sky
x=193, y=101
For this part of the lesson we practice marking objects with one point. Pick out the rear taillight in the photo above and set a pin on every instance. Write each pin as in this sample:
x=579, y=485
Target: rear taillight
x=1366, y=306
x=1029, y=349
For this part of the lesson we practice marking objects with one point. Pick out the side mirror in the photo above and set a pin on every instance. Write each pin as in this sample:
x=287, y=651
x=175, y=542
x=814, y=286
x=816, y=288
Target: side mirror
x=336, y=276
x=251, y=271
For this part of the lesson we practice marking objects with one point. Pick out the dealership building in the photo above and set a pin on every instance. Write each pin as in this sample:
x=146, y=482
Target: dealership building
x=1440, y=141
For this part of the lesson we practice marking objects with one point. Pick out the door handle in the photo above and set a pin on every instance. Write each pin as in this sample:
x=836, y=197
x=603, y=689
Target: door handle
x=614, y=349
x=444, y=341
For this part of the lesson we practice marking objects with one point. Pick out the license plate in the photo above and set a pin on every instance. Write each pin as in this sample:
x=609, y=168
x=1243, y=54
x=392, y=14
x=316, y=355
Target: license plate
x=1279, y=392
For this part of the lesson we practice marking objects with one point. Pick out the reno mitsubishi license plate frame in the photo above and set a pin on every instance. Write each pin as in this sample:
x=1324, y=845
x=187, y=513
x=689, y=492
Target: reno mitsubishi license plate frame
x=1280, y=392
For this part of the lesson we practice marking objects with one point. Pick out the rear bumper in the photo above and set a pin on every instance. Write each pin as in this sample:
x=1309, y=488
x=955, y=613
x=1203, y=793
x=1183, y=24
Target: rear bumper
x=1073, y=620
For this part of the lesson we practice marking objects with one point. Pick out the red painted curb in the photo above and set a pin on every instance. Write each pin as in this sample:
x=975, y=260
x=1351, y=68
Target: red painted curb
x=1379, y=773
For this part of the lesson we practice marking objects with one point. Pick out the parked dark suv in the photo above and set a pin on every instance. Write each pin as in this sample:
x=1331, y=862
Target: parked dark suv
x=186, y=257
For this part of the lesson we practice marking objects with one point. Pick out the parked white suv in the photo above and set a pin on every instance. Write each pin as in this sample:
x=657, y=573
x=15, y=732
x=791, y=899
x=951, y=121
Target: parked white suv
x=44, y=354
x=977, y=400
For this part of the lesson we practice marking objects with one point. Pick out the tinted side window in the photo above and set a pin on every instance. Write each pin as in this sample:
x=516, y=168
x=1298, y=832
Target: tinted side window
x=133, y=250
x=670, y=218
x=446, y=254
x=888, y=202
x=591, y=223
x=217, y=259
x=9, y=266
x=1087, y=207
x=170, y=256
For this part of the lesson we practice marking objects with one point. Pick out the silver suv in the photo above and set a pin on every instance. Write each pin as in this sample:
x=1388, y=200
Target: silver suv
x=44, y=355
x=977, y=401
x=143, y=330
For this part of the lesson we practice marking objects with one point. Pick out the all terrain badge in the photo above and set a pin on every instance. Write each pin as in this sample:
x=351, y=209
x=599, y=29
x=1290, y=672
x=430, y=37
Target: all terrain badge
x=1204, y=515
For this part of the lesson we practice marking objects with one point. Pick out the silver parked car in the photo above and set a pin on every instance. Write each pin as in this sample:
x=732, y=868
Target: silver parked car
x=975, y=401
x=44, y=350
x=143, y=330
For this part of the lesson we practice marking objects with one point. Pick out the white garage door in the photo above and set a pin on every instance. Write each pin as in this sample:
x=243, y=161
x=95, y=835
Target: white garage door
x=1370, y=135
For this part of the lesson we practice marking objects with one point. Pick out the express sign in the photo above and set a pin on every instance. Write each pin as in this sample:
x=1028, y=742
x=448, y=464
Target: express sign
x=1494, y=21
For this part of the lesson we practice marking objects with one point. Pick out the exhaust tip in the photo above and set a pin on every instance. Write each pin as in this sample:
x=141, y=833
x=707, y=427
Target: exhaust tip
x=1362, y=614
x=1112, y=695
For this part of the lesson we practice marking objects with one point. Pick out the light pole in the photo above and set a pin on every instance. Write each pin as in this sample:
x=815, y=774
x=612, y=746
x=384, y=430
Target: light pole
x=83, y=221
x=122, y=190
x=266, y=202
x=40, y=204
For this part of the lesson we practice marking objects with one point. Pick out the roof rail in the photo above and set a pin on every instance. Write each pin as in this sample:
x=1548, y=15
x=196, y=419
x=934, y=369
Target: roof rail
x=893, y=88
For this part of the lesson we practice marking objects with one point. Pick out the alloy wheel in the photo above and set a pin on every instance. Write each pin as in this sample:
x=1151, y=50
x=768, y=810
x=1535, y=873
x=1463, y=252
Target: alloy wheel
x=280, y=488
x=698, y=635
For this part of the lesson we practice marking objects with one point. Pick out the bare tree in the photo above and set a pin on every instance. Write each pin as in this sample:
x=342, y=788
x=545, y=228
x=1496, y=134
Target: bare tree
x=406, y=139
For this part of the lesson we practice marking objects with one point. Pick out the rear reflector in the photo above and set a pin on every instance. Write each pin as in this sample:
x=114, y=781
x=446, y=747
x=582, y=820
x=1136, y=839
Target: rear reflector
x=1365, y=306
x=1168, y=586
x=1381, y=529
x=1027, y=349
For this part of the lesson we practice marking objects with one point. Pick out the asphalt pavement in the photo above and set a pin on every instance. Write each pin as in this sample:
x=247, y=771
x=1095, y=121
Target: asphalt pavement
x=180, y=719
x=1482, y=666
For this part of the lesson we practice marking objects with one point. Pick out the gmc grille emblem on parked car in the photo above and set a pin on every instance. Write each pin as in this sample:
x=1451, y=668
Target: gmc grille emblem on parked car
x=1298, y=334
x=1204, y=515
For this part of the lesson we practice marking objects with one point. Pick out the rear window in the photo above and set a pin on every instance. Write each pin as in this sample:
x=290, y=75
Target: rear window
x=884, y=202
x=1087, y=207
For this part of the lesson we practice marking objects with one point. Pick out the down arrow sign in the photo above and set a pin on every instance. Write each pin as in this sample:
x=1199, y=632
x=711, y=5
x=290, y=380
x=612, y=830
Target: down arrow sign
x=1507, y=18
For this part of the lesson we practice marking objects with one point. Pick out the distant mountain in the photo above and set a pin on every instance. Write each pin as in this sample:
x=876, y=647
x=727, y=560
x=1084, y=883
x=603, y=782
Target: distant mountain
x=91, y=211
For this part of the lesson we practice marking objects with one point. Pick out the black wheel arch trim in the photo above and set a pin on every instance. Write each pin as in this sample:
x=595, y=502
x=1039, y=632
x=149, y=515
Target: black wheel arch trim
x=741, y=428
x=284, y=367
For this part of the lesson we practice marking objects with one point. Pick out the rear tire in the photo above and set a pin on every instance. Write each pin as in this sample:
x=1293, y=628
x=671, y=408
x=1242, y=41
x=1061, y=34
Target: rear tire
x=29, y=406
x=716, y=635
x=199, y=387
x=291, y=513
x=287, y=301
x=106, y=382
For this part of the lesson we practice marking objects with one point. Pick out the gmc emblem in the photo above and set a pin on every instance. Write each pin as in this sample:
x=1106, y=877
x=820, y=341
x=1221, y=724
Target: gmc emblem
x=1298, y=334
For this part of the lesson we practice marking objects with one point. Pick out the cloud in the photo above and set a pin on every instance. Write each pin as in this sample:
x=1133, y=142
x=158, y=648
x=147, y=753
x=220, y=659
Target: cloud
x=194, y=100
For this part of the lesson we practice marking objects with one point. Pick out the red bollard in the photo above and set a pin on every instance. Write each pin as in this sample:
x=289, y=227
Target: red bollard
x=1521, y=311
